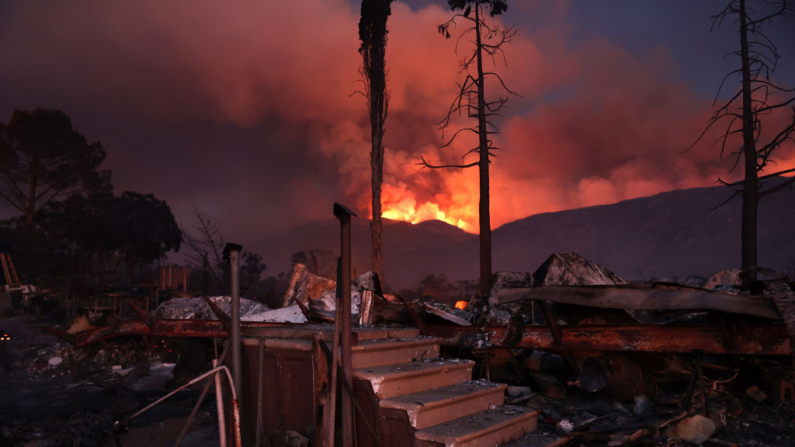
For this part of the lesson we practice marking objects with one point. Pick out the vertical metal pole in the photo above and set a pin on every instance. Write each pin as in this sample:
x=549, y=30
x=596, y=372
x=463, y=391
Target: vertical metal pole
x=344, y=215
x=233, y=260
x=232, y=254
x=219, y=403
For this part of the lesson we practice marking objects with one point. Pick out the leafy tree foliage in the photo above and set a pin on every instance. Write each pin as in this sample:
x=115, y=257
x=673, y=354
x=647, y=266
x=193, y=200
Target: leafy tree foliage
x=43, y=159
x=252, y=268
x=105, y=230
x=82, y=224
x=145, y=229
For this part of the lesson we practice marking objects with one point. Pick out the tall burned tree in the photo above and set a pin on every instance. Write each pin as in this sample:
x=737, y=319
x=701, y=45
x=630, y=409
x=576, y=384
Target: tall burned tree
x=487, y=40
x=756, y=98
x=372, y=33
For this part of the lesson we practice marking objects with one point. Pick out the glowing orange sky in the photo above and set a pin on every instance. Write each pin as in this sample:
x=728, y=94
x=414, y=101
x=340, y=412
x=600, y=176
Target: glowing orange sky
x=598, y=123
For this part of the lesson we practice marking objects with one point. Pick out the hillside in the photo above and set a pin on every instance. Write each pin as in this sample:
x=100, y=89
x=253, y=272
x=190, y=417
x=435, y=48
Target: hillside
x=672, y=233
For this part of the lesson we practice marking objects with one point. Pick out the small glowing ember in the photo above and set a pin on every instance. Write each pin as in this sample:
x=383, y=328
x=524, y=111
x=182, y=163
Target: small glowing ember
x=461, y=305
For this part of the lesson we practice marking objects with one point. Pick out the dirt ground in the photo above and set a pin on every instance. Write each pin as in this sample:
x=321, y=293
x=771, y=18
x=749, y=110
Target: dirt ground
x=54, y=395
x=44, y=404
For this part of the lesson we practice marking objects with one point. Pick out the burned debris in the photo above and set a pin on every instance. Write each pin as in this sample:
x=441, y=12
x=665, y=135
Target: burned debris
x=570, y=354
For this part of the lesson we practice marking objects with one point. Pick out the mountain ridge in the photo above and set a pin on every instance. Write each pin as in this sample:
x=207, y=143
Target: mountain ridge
x=678, y=232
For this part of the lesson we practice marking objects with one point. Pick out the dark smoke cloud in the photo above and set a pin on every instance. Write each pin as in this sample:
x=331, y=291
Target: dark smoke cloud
x=245, y=110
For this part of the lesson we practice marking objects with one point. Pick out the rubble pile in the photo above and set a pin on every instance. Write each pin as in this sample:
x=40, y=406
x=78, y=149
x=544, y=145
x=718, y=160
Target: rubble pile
x=572, y=269
x=441, y=310
x=622, y=398
x=572, y=340
x=197, y=308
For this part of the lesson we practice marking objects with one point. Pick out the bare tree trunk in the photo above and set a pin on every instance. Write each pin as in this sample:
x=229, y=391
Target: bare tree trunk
x=373, y=36
x=751, y=183
x=377, y=167
x=483, y=207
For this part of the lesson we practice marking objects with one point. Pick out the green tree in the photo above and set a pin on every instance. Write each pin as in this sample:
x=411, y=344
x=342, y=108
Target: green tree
x=82, y=224
x=471, y=100
x=43, y=159
x=145, y=228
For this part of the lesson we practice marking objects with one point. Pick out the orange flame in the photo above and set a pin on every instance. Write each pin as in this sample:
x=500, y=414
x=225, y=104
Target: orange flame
x=461, y=305
x=400, y=202
x=405, y=207
x=408, y=211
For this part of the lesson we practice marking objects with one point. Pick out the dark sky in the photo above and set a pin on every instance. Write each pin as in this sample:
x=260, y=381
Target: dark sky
x=244, y=109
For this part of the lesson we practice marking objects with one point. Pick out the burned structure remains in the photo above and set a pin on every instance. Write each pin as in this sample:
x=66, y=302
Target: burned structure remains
x=568, y=353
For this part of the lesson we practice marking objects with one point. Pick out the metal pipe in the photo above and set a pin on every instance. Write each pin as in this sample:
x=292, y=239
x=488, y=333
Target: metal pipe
x=219, y=404
x=191, y=383
x=235, y=406
x=234, y=257
x=344, y=215
x=200, y=400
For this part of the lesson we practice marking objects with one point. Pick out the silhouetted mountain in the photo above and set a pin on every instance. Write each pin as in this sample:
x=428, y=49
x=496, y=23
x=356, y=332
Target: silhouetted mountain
x=672, y=233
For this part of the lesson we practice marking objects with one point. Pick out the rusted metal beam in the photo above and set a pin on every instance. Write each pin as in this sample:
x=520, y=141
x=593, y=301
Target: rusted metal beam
x=192, y=328
x=304, y=310
x=626, y=297
x=225, y=319
x=745, y=340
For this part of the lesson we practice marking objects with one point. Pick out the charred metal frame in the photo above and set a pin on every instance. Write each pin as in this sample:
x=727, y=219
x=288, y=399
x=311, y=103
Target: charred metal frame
x=708, y=339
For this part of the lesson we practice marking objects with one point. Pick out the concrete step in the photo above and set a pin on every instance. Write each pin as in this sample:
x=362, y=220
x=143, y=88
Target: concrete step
x=388, y=381
x=369, y=353
x=431, y=407
x=538, y=440
x=484, y=429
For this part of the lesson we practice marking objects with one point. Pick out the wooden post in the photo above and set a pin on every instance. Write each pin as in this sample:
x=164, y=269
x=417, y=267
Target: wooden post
x=344, y=309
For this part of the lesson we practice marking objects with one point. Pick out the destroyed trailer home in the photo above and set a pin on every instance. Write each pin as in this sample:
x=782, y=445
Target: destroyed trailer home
x=571, y=353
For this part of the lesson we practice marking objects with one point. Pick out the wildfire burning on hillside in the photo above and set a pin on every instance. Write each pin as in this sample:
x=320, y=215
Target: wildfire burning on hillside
x=399, y=203
x=408, y=210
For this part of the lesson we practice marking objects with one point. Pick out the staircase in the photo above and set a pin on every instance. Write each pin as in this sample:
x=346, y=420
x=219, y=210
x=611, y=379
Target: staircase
x=418, y=399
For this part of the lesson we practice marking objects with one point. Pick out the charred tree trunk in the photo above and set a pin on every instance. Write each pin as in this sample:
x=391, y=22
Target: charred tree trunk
x=757, y=97
x=372, y=33
x=471, y=99
x=377, y=167
x=484, y=216
x=751, y=183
